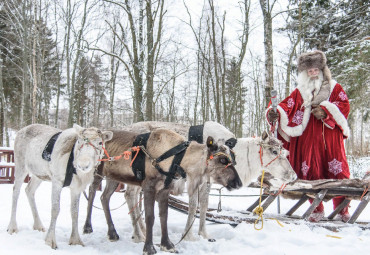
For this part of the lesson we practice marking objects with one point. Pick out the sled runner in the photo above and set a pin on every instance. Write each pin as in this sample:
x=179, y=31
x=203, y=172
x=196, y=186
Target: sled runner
x=301, y=190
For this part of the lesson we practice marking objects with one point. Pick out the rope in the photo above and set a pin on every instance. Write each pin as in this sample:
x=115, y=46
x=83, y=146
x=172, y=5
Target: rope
x=259, y=209
x=323, y=136
x=282, y=187
x=133, y=208
x=187, y=231
x=85, y=195
x=219, y=209
x=363, y=193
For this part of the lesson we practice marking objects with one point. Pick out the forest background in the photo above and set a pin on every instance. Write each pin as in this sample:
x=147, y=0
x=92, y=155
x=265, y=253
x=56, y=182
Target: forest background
x=109, y=63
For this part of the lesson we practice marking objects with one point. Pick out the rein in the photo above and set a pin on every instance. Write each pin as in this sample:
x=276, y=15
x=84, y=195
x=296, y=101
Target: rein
x=218, y=154
x=126, y=154
x=261, y=156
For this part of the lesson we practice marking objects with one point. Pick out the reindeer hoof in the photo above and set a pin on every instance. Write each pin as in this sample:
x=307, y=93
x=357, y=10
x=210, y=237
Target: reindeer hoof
x=74, y=240
x=149, y=249
x=211, y=240
x=52, y=243
x=168, y=246
x=171, y=250
x=113, y=236
x=88, y=229
x=138, y=239
x=12, y=228
x=39, y=228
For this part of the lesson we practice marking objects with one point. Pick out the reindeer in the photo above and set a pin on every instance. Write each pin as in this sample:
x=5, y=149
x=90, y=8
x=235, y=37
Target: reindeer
x=249, y=167
x=200, y=162
x=72, y=163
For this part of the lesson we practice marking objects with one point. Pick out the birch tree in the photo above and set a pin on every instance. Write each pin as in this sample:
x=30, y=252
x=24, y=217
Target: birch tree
x=266, y=7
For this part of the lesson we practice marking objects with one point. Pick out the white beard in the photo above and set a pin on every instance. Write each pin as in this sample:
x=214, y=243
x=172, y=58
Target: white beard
x=309, y=87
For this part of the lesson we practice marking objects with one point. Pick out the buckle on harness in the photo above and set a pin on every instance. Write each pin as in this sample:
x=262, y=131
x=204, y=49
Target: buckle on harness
x=111, y=159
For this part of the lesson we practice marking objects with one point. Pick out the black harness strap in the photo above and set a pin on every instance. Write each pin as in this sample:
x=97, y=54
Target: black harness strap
x=196, y=133
x=46, y=153
x=138, y=166
x=178, y=151
x=70, y=169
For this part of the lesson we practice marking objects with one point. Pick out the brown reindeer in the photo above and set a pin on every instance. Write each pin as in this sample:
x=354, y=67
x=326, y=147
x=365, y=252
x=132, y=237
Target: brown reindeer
x=199, y=162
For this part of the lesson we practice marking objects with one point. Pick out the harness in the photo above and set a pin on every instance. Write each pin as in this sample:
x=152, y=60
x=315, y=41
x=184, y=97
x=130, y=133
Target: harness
x=70, y=169
x=138, y=166
x=231, y=142
x=175, y=169
x=196, y=133
x=46, y=155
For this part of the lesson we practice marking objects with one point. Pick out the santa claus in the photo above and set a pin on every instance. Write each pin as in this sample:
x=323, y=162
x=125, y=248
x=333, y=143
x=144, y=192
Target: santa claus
x=312, y=123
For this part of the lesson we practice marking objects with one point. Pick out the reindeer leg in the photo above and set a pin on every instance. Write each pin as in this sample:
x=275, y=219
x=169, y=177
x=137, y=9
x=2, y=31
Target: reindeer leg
x=55, y=208
x=105, y=198
x=138, y=212
x=92, y=191
x=193, y=203
x=75, y=236
x=30, y=191
x=203, y=197
x=20, y=174
x=131, y=196
x=162, y=198
x=149, y=199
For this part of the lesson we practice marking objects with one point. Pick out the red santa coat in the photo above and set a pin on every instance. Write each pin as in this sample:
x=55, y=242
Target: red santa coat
x=316, y=147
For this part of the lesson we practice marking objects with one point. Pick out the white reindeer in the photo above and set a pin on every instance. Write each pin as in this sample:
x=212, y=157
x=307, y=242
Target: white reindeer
x=86, y=143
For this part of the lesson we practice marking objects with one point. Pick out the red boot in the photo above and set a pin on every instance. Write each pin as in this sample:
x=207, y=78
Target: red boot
x=317, y=214
x=343, y=214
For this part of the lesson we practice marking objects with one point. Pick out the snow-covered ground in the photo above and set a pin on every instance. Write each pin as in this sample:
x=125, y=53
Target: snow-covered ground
x=302, y=238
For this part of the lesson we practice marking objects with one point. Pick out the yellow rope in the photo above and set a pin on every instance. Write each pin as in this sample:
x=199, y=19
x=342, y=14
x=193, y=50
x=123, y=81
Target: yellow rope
x=259, y=209
x=338, y=237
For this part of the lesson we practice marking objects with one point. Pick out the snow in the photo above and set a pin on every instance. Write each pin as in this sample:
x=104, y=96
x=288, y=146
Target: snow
x=301, y=238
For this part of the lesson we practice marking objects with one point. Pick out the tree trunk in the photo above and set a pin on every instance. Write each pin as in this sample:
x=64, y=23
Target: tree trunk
x=215, y=63
x=72, y=99
x=2, y=102
x=269, y=62
x=34, y=66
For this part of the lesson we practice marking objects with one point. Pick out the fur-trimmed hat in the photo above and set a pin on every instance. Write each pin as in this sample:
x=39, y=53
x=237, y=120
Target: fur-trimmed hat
x=315, y=59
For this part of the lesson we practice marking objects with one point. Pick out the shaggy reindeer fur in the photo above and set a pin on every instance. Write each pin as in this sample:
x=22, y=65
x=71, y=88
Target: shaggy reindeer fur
x=29, y=145
x=193, y=163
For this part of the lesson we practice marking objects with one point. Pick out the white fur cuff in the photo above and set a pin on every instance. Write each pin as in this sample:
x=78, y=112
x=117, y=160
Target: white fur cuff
x=338, y=116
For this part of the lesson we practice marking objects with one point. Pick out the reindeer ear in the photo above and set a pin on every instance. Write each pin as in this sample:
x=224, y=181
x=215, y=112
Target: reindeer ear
x=107, y=135
x=78, y=128
x=211, y=144
x=264, y=135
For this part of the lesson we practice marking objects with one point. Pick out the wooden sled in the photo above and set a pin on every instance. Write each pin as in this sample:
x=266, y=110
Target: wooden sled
x=319, y=190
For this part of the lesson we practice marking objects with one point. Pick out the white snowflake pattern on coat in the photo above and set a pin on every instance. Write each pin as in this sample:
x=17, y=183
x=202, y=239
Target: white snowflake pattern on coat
x=304, y=168
x=290, y=102
x=335, y=166
x=336, y=103
x=298, y=117
x=342, y=96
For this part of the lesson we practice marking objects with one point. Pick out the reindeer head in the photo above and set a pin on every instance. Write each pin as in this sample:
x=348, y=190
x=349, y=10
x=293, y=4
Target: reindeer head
x=273, y=159
x=220, y=166
x=89, y=147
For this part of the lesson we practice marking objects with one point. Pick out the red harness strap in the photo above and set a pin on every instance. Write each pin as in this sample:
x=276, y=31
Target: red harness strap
x=126, y=155
x=261, y=155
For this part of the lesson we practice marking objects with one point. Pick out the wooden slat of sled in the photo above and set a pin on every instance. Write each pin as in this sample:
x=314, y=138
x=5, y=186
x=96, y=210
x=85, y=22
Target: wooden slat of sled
x=360, y=208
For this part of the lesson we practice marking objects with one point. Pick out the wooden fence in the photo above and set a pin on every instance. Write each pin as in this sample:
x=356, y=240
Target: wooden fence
x=7, y=167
